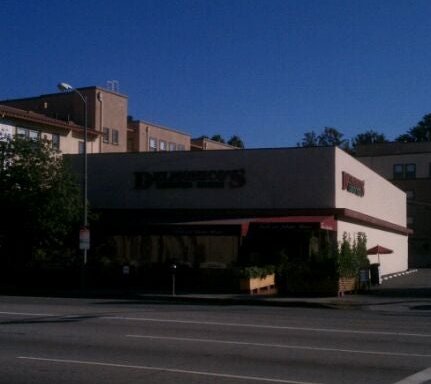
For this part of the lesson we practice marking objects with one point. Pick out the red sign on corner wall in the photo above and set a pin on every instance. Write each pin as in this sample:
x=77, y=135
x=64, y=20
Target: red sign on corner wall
x=353, y=185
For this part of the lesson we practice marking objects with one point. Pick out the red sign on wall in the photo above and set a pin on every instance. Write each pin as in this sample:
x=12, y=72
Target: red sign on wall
x=353, y=185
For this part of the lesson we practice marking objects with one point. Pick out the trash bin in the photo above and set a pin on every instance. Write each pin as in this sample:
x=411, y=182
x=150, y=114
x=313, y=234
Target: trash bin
x=375, y=274
x=364, y=278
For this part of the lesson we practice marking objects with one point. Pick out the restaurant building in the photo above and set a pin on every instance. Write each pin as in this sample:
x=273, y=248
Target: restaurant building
x=208, y=209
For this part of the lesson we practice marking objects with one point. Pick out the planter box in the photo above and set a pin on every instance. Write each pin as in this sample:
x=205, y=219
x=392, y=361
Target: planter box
x=346, y=284
x=265, y=285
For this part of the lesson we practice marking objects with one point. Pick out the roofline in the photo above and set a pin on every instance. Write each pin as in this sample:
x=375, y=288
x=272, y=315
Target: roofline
x=37, y=118
x=53, y=94
x=161, y=127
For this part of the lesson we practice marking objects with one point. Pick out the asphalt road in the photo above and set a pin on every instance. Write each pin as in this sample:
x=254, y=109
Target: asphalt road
x=46, y=340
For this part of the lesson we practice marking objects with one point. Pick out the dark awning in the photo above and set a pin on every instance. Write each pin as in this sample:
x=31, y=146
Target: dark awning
x=288, y=222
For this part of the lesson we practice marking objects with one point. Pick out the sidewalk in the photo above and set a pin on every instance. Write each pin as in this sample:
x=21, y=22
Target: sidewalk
x=404, y=292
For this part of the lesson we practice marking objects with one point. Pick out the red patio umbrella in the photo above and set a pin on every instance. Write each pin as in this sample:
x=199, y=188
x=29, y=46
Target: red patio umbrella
x=379, y=250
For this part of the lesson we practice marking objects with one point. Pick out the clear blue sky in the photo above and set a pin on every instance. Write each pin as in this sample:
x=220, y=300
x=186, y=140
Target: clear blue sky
x=266, y=70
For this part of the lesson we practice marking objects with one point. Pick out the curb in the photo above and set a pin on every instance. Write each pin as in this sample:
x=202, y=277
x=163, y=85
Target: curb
x=408, y=272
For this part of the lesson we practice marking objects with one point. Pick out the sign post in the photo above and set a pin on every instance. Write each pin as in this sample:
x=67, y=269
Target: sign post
x=84, y=241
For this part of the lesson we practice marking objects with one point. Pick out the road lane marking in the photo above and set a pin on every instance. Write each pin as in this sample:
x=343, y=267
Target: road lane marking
x=168, y=370
x=418, y=378
x=284, y=346
x=26, y=314
x=276, y=327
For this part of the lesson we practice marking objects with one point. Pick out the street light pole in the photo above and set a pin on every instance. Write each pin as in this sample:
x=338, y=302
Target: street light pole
x=84, y=234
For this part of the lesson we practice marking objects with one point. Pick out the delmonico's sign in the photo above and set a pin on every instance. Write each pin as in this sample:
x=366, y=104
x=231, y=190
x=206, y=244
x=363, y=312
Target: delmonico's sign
x=352, y=184
x=233, y=178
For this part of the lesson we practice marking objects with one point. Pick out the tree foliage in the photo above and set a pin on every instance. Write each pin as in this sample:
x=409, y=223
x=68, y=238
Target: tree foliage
x=310, y=139
x=40, y=202
x=236, y=141
x=368, y=137
x=328, y=137
x=331, y=137
x=219, y=138
x=352, y=256
x=419, y=133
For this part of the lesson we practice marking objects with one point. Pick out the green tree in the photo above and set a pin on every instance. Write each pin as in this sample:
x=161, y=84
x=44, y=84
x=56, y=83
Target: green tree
x=236, y=141
x=419, y=133
x=310, y=139
x=331, y=137
x=361, y=250
x=368, y=137
x=347, y=266
x=218, y=137
x=40, y=202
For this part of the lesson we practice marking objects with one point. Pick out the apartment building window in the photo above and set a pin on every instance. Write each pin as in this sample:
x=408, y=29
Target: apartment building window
x=410, y=171
x=172, y=147
x=404, y=171
x=106, y=135
x=55, y=141
x=28, y=133
x=115, y=135
x=153, y=144
x=163, y=145
x=398, y=171
x=21, y=132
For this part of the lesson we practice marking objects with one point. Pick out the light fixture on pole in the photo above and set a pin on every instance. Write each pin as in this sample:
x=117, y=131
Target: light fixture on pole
x=84, y=235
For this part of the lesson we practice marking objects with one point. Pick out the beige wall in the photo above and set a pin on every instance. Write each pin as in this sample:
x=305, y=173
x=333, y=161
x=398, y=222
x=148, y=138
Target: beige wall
x=104, y=109
x=205, y=144
x=380, y=195
x=390, y=263
x=110, y=111
x=140, y=133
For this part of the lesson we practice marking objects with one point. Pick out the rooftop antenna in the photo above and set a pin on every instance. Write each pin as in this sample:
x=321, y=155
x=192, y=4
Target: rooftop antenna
x=113, y=85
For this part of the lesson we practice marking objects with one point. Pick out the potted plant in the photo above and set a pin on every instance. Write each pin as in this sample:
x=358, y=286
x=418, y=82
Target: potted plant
x=256, y=280
x=351, y=258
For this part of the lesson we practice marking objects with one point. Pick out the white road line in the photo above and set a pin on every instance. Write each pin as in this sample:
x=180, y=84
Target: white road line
x=278, y=327
x=163, y=369
x=285, y=346
x=26, y=314
x=418, y=378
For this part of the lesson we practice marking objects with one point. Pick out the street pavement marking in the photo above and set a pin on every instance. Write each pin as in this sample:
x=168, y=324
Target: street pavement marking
x=285, y=346
x=418, y=378
x=26, y=314
x=169, y=370
x=279, y=327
